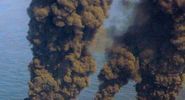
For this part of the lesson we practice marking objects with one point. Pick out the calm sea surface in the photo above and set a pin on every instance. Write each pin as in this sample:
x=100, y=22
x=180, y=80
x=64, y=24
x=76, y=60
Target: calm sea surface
x=15, y=54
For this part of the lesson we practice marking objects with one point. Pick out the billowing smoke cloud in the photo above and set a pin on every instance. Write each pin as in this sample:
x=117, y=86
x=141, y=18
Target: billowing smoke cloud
x=151, y=52
x=148, y=47
x=122, y=16
x=60, y=32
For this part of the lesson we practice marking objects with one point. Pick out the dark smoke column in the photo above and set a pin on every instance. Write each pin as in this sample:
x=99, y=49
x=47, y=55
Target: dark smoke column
x=153, y=50
x=60, y=32
x=121, y=66
x=167, y=74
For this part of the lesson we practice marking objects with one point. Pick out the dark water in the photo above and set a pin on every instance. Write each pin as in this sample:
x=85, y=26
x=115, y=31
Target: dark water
x=15, y=55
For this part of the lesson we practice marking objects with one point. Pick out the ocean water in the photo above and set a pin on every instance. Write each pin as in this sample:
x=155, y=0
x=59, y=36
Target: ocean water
x=15, y=55
x=15, y=51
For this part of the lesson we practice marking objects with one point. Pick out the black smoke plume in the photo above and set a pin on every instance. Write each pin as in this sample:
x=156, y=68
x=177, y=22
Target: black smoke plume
x=60, y=32
x=151, y=52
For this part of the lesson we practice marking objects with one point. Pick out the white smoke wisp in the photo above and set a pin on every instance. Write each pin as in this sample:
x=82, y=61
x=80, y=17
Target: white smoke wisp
x=121, y=15
x=100, y=42
x=181, y=95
